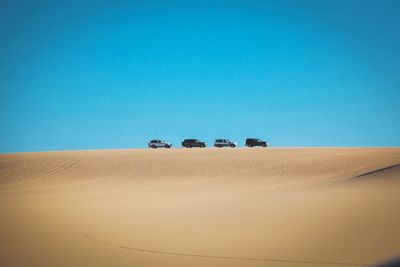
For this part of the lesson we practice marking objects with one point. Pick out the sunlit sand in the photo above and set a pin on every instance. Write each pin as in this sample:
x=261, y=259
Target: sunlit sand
x=200, y=207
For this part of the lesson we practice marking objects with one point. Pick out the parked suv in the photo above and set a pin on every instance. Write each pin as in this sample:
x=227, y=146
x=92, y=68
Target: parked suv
x=193, y=143
x=250, y=142
x=159, y=143
x=224, y=142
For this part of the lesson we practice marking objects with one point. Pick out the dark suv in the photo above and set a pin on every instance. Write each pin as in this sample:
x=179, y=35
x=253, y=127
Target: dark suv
x=193, y=143
x=250, y=142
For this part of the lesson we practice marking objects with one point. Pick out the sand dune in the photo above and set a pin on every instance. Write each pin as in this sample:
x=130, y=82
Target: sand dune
x=200, y=207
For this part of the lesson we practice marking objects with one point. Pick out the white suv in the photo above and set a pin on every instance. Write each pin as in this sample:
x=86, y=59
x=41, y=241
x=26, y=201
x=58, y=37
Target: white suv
x=224, y=142
x=159, y=143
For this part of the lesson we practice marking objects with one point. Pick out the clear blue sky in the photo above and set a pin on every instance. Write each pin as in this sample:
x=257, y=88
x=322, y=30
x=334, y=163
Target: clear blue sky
x=114, y=74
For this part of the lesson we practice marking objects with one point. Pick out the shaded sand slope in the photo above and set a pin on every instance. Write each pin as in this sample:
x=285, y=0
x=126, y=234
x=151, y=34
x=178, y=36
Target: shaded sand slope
x=200, y=207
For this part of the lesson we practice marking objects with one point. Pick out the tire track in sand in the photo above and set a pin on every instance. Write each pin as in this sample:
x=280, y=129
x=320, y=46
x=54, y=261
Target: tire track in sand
x=86, y=236
x=62, y=167
x=55, y=171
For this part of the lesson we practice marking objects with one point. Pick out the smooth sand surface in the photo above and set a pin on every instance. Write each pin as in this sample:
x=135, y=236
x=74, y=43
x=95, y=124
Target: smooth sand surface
x=200, y=207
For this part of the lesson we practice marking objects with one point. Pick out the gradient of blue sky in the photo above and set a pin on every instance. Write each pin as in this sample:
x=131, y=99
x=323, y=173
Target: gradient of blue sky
x=113, y=74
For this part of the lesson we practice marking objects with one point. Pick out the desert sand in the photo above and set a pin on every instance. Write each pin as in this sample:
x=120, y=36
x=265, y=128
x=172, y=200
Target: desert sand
x=200, y=207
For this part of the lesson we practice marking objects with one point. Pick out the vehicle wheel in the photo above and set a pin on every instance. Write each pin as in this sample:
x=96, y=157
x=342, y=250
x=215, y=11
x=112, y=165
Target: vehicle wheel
x=167, y=146
x=264, y=145
x=250, y=145
x=188, y=146
x=232, y=145
x=202, y=146
x=153, y=146
x=219, y=146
